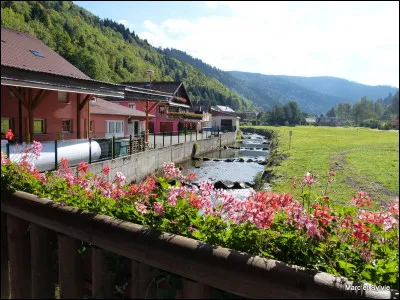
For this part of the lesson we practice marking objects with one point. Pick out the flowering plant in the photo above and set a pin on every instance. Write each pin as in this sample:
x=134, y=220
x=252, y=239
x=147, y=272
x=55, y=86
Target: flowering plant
x=359, y=241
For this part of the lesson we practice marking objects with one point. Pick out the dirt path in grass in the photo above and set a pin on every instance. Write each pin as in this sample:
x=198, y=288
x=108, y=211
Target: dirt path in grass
x=337, y=162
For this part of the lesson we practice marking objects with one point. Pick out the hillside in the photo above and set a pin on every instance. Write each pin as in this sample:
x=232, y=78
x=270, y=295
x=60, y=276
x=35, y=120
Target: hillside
x=106, y=50
x=313, y=94
x=348, y=90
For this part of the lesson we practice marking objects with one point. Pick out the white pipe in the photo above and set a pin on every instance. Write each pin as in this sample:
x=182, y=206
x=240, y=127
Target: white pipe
x=75, y=151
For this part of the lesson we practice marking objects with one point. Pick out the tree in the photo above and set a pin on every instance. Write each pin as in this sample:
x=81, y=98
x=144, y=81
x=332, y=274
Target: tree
x=331, y=113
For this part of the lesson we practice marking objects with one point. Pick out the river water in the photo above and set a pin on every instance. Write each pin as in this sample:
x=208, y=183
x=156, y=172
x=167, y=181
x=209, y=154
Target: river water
x=245, y=158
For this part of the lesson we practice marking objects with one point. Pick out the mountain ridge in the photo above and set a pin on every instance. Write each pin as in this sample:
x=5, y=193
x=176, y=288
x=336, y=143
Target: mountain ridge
x=268, y=90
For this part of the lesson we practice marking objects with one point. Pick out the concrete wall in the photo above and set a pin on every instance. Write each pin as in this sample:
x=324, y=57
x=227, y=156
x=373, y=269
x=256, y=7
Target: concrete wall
x=138, y=165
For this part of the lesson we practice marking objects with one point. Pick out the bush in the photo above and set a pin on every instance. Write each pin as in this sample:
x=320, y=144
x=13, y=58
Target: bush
x=371, y=123
x=385, y=126
x=347, y=124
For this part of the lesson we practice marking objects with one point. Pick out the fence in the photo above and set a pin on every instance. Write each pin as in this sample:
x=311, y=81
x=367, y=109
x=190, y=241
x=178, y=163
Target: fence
x=97, y=149
x=31, y=228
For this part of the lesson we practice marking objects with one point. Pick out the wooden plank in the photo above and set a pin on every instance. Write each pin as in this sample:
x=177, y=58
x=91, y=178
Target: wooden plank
x=142, y=286
x=98, y=273
x=194, y=290
x=5, y=270
x=226, y=269
x=19, y=257
x=43, y=286
x=71, y=285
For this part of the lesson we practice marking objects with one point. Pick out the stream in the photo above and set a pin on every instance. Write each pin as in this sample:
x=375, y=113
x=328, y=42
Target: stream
x=232, y=167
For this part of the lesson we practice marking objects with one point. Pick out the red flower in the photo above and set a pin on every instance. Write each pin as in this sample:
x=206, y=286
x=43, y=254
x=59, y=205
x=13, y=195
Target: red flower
x=106, y=170
x=9, y=135
x=83, y=167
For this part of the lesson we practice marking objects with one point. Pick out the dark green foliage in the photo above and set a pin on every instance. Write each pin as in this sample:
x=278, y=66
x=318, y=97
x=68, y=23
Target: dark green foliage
x=107, y=50
x=288, y=114
x=368, y=113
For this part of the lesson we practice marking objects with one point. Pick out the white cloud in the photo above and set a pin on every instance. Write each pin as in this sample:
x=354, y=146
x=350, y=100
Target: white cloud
x=211, y=4
x=127, y=24
x=355, y=40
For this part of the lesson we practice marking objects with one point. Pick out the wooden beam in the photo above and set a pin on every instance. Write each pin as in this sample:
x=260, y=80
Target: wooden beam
x=85, y=101
x=71, y=285
x=30, y=114
x=20, y=121
x=98, y=274
x=40, y=97
x=43, y=286
x=142, y=285
x=5, y=270
x=18, y=94
x=19, y=257
x=78, y=116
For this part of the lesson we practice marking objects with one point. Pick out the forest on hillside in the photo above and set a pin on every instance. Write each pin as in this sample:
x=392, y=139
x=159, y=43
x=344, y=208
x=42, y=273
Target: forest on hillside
x=106, y=50
x=313, y=94
x=368, y=113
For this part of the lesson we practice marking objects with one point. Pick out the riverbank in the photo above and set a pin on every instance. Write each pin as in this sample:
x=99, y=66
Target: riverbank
x=362, y=159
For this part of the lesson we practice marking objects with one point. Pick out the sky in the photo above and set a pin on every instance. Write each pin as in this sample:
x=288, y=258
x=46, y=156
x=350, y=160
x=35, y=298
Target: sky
x=358, y=41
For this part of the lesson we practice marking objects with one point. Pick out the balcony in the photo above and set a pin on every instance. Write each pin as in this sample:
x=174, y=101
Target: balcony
x=184, y=116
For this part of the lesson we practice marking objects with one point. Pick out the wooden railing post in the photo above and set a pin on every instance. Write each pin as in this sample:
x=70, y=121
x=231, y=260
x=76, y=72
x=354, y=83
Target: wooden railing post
x=71, y=283
x=141, y=281
x=5, y=271
x=98, y=274
x=43, y=286
x=194, y=290
x=19, y=257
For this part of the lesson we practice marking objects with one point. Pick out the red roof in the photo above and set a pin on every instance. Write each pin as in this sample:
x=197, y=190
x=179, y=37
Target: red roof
x=104, y=107
x=16, y=51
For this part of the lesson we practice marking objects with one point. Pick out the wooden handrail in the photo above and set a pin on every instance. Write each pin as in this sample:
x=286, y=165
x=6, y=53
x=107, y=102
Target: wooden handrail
x=222, y=268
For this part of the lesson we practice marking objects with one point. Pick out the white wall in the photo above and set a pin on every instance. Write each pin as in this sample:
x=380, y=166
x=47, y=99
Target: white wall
x=216, y=121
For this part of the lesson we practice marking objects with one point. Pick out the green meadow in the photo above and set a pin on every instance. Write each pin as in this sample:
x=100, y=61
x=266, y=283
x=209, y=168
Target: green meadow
x=362, y=159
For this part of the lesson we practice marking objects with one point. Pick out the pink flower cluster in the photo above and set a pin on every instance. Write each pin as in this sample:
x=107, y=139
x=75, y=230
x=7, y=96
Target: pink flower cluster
x=171, y=172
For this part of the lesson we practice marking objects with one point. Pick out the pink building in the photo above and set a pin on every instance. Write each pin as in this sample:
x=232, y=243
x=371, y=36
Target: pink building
x=108, y=119
x=43, y=96
x=171, y=114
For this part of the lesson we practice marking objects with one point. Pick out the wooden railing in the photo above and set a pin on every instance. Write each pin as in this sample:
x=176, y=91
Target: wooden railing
x=29, y=225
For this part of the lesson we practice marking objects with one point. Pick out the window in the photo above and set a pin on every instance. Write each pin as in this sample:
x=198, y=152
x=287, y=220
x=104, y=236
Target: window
x=161, y=109
x=5, y=124
x=115, y=127
x=62, y=97
x=37, y=53
x=38, y=126
x=66, y=126
x=91, y=126
x=132, y=105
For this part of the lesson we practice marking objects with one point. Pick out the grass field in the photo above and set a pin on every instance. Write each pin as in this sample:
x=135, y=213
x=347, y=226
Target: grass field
x=363, y=159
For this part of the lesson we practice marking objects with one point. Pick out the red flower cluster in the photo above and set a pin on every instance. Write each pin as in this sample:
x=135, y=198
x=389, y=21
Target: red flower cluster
x=361, y=199
x=9, y=135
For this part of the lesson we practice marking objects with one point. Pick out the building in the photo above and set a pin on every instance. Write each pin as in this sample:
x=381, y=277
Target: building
x=203, y=108
x=223, y=108
x=311, y=120
x=109, y=118
x=43, y=96
x=171, y=115
x=224, y=121
x=328, y=121
x=248, y=115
